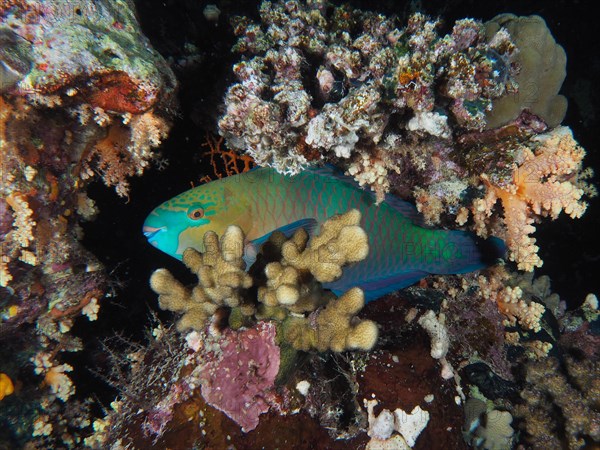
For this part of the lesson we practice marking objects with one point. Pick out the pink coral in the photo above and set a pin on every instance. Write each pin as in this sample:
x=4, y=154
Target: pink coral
x=237, y=377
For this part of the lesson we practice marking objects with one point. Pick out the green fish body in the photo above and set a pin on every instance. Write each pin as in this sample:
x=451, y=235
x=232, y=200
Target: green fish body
x=261, y=201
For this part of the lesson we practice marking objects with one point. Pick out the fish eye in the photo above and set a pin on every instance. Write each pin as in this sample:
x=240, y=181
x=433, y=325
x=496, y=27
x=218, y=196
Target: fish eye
x=196, y=213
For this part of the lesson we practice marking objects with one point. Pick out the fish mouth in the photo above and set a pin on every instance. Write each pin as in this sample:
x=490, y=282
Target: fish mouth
x=151, y=232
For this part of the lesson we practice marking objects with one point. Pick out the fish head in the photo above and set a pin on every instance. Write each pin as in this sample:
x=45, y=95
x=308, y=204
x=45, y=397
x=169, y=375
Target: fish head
x=182, y=221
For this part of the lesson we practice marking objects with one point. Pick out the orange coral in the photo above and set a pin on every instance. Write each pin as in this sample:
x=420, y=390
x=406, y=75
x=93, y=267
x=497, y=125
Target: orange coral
x=547, y=181
x=510, y=301
x=125, y=151
x=6, y=386
x=232, y=162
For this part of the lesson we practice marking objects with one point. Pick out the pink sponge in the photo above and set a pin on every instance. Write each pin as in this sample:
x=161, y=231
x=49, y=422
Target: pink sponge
x=238, y=377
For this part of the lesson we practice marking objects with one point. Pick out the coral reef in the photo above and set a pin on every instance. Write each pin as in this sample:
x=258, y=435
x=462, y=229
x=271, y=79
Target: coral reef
x=441, y=346
x=547, y=179
x=444, y=120
x=463, y=119
x=221, y=276
x=364, y=71
x=74, y=107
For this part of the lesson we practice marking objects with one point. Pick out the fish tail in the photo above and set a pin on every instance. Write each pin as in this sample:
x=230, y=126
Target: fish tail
x=465, y=252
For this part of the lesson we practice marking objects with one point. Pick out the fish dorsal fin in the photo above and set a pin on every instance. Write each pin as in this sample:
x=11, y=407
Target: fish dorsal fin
x=405, y=208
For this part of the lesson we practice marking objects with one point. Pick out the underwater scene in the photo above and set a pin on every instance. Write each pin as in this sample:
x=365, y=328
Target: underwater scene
x=299, y=225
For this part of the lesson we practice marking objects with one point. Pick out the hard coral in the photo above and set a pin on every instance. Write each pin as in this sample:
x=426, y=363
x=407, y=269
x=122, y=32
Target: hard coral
x=561, y=403
x=221, y=280
x=545, y=181
x=542, y=64
x=335, y=327
x=340, y=241
x=363, y=74
x=510, y=301
x=125, y=151
x=83, y=98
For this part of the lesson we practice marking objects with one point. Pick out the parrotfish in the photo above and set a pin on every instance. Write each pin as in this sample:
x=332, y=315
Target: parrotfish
x=401, y=250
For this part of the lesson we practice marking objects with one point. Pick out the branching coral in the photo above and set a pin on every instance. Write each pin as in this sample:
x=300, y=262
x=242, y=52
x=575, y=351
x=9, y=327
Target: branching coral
x=340, y=241
x=545, y=182
x=510, y=300
x=335, y=327
x=54, y=376
x=125, y=151
x=561, y=403
x=289, y=290
x=221, y=280
x=364, y=73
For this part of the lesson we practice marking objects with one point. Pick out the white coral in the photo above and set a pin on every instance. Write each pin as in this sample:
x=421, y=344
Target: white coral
x=431, y=122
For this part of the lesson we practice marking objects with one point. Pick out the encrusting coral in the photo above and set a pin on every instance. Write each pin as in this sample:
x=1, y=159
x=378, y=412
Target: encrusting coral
x=290, y=288
x=542, y=69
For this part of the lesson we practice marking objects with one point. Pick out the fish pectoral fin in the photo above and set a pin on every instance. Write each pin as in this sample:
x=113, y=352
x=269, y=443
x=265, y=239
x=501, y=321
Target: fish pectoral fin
x=250, y=253
x=310, y=225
